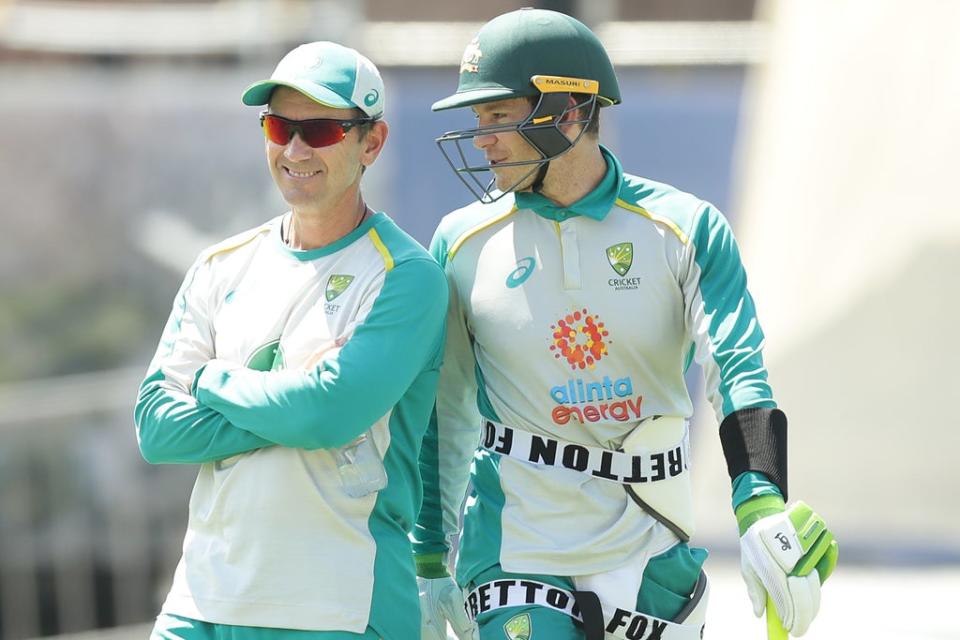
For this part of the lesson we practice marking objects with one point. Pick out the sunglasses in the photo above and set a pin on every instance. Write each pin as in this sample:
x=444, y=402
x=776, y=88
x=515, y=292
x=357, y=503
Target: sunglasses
x=321, y=132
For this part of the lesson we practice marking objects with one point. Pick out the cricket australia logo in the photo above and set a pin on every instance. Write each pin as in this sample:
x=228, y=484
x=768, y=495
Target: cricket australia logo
x=336, y=285
x=471, y=57
x=620, y=257
x=519, y=627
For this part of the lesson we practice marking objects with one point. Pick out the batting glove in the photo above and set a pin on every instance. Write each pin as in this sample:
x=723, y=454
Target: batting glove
x=441, y=601
x=779, y=550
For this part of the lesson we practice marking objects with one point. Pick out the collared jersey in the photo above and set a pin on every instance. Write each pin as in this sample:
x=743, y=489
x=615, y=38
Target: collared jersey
x=577, y=324
x=273, y=539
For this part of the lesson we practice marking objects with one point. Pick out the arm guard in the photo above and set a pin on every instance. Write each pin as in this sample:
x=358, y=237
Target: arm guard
x=755, y=439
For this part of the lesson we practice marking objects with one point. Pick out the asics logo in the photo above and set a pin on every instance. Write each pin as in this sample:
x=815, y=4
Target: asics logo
x=523, y=271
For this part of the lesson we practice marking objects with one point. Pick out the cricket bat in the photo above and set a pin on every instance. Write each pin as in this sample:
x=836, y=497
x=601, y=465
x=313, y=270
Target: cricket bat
x=775, y=630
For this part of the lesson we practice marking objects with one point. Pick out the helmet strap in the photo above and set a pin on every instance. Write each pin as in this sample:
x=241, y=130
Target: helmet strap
x=541, y=174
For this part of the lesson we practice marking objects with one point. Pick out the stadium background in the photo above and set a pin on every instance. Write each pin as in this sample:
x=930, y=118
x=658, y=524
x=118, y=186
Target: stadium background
x=827, y=132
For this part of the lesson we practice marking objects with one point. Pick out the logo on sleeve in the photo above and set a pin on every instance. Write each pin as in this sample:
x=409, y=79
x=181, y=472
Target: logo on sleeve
x=523, y=271
x=620, y=257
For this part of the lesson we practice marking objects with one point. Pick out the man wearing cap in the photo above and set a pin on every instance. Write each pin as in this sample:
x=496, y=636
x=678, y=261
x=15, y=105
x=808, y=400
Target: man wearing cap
x=579, y=294
x=295, y=370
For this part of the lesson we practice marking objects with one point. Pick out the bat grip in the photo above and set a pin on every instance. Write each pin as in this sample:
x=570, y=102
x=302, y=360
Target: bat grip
x=775, y=630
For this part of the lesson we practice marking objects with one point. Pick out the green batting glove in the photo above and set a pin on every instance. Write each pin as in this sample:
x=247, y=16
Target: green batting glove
x=441, y=600
x=431, y=565
x=779, y=550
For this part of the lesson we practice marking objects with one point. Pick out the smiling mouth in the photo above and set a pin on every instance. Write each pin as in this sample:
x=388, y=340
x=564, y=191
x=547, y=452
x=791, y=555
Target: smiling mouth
x=299, y=174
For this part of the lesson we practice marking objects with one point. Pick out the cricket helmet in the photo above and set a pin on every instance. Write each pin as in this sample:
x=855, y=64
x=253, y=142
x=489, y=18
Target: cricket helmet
x=543, y=55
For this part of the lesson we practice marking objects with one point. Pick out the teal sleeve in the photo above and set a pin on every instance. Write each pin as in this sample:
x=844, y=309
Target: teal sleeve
x=336, y=401
x=428, y=535
x=729, y=339
x=751, y=484
x=452, y=436
x=173, y=428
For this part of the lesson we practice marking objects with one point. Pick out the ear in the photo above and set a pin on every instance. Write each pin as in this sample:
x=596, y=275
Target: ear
x=572, y=115
x=373, y=143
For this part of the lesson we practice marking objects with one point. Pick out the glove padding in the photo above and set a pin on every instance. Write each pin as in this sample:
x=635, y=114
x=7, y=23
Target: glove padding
x=778, y=555
x=441, y=601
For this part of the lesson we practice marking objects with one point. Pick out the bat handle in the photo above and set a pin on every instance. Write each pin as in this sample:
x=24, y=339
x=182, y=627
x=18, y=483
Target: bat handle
x=775, y=630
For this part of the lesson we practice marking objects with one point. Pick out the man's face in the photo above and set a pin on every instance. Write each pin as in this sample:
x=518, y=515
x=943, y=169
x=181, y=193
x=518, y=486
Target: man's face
x=314, y=180
x=508, y=146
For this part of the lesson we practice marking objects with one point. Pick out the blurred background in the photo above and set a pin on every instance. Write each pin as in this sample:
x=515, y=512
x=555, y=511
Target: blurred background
x=826, y=130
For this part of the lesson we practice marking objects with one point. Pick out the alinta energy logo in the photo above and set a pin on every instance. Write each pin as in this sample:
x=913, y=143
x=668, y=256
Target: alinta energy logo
x=579, y=337
x=582, y=340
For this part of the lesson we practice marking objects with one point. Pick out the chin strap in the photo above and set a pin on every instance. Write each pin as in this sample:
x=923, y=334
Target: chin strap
x=541, y=174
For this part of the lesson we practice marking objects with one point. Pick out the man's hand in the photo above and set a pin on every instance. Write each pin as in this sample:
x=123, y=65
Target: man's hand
x=441, y=601
x=779, y=550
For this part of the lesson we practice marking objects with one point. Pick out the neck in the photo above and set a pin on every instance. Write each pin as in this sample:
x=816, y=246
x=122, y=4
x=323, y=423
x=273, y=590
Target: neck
x=575, y=174
x=308, y=229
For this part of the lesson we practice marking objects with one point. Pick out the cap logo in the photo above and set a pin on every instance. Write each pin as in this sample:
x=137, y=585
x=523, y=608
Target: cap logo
x=471, y=57
x=371, y=98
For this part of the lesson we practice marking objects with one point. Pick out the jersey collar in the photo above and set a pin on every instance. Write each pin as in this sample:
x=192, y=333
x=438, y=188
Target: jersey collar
x=596, y=204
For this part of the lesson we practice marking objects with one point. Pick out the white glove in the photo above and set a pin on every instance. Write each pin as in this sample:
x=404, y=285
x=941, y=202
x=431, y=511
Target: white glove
x=441, y=600
x=776, y=559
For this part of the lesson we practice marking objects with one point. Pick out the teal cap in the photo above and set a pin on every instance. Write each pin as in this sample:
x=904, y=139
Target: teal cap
x=329, y=73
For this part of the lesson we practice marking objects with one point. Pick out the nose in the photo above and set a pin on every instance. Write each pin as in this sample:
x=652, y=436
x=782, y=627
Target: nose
x=484, y=140
x=297, y=150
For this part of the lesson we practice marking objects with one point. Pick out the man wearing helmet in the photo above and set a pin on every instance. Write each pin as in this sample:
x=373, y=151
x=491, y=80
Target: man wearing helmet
x=579, y=294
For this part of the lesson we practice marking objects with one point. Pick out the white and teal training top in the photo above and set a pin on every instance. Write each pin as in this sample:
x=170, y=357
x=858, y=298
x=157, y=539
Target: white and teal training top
x=576, y=324
x=272, y=539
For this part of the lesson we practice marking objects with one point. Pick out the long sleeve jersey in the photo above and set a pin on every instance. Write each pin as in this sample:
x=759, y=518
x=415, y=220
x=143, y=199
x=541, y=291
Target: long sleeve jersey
x=273, y=540
x=576, y=325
